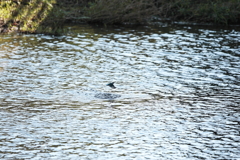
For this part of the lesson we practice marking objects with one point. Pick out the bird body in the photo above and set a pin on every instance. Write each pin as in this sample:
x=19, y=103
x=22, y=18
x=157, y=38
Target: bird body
x=108, y=95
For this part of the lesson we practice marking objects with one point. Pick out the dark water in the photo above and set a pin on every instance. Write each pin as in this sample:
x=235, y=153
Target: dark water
x=178, y=93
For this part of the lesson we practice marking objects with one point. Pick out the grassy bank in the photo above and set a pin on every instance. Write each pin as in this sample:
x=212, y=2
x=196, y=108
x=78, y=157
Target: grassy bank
x=115, y=11
x=48, y=16
x=30, y=16
x=203, y=11
x=206, y=11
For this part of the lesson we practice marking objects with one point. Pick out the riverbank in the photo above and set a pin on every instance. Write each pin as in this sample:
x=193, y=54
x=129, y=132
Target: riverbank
x=48, y=16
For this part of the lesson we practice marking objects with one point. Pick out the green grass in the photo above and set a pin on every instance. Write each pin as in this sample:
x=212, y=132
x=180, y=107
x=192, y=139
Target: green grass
x=33, y=17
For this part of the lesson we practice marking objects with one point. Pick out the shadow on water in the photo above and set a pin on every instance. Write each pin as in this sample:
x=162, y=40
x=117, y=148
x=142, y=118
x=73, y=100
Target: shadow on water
x=177, y=93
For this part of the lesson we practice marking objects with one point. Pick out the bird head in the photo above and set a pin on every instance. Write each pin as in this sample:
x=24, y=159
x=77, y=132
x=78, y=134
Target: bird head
x=111, y=85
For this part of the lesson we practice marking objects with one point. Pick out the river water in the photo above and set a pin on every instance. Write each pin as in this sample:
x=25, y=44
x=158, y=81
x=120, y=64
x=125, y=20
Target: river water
x=178, y=93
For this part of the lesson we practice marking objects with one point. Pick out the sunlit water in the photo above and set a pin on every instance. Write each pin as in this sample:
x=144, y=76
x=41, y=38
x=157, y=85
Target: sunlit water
x=177, y=95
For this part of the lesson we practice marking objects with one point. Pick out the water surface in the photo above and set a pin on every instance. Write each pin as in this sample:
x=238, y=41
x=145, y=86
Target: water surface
x=178, y=90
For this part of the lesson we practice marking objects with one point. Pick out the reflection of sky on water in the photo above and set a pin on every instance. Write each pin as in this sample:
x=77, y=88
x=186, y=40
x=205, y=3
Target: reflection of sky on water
x=179, y=94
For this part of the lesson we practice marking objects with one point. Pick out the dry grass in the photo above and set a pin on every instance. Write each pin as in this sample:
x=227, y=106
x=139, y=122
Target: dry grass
x=115, y=11
x=213, y=11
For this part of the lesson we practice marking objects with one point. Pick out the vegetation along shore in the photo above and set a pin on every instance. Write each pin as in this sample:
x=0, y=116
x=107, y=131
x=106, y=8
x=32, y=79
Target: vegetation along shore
x=48, y=16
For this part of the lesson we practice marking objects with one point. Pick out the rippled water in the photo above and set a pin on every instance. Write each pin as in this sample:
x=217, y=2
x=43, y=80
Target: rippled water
x=177, y=95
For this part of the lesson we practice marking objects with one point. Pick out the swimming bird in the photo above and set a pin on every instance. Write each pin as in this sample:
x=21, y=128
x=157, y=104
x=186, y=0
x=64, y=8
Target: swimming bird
x=111, y=85
x=108, y=96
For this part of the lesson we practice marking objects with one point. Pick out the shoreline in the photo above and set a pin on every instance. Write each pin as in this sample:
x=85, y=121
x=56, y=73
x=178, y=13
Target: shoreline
x=49, y=16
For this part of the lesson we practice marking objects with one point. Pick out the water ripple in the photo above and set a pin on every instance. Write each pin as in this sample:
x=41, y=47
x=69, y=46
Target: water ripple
x=177, y=94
